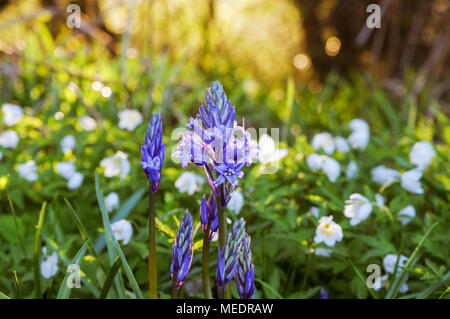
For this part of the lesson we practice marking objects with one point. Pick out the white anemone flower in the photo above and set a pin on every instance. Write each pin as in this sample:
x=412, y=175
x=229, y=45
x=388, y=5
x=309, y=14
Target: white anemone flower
x=352, y=170
x=75, y=180
x=380, y=200
x=383, y=175
x=313, y=211
x=314, y=162
x=116, y=164
x=331, y=168
x=406, y=214
x=383, y=281
x=359, y=138
x=357, y=208
x=28, y=171
x=67, y=143
x=410, y=181
x=324, y=252
x=122, y=230
x=12, y=114
x=189, y=183
x=421, y=154
x=328, y=231
x=9, y=139
x=324, y=141
x=341, y=144
x=358, y=125
x=236, y=202
x=129, y=119
x=87, y=123
x=390, y=260
x=112, y=201
x=49, y=264
x=65, y=169
x=268, y=152
x=1, y=155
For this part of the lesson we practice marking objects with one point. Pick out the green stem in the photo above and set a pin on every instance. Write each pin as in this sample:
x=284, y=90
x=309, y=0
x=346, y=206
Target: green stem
x=205, y=264
x=174, y=287
x=222, y=231
x=152, y=274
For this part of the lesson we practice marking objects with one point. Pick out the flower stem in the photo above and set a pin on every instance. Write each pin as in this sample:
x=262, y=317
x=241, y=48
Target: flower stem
x=174, y=287
x=152, y=273
x=222, y=231
x=205, y=264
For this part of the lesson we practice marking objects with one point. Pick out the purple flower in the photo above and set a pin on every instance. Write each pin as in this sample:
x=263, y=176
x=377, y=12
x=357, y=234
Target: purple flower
x=153, y=152
x=228, y=257
x=182, y=250
x=245, y=272
x=323, y=293
x=229, y=172
x=209, y=215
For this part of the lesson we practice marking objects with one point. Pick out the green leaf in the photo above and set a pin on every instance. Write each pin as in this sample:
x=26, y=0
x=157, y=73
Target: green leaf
x=267, y=286
x=424, y=294
x=64, y=290
x=113, y=245
x=37, y=253
x=16, y=285
x=361, y=277
x=111, y=275
x=4, y=296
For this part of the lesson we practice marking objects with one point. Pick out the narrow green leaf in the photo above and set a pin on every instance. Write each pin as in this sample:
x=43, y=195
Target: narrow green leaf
x=111, y=275
x=361, y=277
x=111, y=239
x=17, y=286
x=266, y=285
x=424, y=294
x=4, y=296
x=64, y=290
x=398, y=279
x=37, y=253
x=85, y=235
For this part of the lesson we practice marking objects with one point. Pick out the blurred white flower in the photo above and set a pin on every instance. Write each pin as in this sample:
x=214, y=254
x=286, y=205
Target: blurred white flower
x=116, y=164
x=380, y=199
x=383, y=175
x=12, y=114
x=383, y=281
x=49, y=264
x=352, y=170
x=28, y=171
x=215, y=236
x=1, y=155
x=390, y=260
x=87, y=123
x=236, y=202
x=268, y=151
x=357, y=208
x=65, y=169
x=421, y=154
x=406, y=214
x=341, y=144
x=359, y=138
x=129, y=119
x=67, y=143
x=324, y=252
x=122, y=230
x=328, y=231
x=410, y=181
x=313, y=211
x=189, y=183
x=323, y=141
x=314, y=162
x=9, y=139
x=75, y=180
x=331, y=168
x=112, y=201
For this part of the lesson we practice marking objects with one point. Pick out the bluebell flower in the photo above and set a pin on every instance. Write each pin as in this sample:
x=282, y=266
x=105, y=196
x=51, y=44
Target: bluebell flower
x=182, y=250
x=245, y=272
x=228, y=257
x=323, y=293
x=209, y=215
x=153, y=152
x=229, y=172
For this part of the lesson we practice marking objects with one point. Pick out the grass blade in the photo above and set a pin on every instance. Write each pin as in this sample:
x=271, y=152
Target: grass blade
x=4, y=296
x=111, y=275
x=85, y=235
x=111, y=240
x=266, y=285
x=398, y=279
x=64, y=290
x=123, y=212
x=361, y=276
x=17, y=286
x=37, y=253
x=424, y=294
